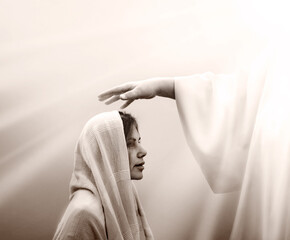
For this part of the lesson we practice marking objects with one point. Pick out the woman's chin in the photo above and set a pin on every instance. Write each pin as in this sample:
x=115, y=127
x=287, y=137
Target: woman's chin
x=137, y=176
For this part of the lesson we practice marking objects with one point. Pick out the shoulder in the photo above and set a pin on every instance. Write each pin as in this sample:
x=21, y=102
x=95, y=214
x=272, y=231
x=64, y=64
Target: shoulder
x=84, y=218
x=86, y=203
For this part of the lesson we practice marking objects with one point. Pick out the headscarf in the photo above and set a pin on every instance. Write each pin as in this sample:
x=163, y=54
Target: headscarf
x=102, y=167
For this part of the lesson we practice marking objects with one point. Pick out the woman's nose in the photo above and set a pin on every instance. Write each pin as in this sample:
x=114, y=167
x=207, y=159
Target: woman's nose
x=142, y=152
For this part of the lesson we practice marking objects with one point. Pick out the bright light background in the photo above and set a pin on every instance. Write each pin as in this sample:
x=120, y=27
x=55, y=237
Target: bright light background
x=56, y=56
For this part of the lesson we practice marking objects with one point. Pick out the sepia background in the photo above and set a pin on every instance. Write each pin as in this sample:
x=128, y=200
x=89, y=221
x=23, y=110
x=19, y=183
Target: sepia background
x=57, y=56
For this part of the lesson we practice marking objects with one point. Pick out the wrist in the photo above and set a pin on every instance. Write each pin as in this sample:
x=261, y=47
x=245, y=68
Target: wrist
x=165, y=88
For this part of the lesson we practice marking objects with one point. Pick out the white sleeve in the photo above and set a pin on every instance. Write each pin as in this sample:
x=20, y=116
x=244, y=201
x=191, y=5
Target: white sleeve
x=218, y=114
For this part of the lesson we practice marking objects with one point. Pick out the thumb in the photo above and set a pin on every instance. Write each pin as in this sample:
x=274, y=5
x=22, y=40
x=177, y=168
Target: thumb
x=130, y=95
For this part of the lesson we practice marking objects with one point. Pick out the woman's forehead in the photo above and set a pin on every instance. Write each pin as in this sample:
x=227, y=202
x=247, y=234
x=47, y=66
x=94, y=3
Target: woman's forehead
x=134, y=133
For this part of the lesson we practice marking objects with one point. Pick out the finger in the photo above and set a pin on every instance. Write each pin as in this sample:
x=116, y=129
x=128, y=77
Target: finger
x=130, y=95
x=112, y=99
x=126, y=104
x=115, y=91
x=105, y=95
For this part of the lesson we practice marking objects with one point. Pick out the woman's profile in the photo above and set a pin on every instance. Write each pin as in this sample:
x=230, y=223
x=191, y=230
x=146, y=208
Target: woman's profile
x=103, y=200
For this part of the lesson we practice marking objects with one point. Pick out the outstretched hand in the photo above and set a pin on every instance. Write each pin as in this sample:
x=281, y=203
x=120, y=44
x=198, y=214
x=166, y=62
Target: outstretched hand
x=130, y=91
x=145, y=89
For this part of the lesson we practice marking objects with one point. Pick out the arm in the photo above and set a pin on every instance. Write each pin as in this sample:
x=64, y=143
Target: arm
x=145, y=89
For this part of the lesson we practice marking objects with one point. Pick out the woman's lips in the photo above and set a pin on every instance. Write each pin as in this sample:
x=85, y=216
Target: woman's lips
x=140, y=166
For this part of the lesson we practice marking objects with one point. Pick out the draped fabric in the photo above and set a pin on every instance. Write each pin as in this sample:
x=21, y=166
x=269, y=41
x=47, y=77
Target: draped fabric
x=237, y=127
x=102, y=171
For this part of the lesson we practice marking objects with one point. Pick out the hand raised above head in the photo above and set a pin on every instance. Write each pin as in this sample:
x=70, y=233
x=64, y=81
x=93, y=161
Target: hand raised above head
x=144, y=89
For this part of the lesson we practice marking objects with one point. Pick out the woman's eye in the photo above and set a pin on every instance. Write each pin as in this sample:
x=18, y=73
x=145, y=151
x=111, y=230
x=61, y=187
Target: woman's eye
x=130, y=144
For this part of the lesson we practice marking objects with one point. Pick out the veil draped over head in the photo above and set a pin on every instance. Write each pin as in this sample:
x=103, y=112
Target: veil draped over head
x=102, y=167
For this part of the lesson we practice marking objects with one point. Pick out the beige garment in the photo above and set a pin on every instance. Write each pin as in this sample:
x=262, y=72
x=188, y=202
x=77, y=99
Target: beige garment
x=218, y=113
x=103, y=198
x=238, y=128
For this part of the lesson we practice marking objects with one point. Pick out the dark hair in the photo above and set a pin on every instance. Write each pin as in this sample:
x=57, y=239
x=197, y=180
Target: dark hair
x=128, y=122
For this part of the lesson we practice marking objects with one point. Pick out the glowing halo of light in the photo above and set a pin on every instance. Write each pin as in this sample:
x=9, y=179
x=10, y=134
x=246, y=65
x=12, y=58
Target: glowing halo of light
x=267, y=17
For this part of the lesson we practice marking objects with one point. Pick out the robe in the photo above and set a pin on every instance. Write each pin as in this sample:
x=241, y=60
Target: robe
x=238, y=129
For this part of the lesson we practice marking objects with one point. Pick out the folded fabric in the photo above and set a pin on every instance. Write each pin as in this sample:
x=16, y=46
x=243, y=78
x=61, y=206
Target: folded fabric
x=103, y=200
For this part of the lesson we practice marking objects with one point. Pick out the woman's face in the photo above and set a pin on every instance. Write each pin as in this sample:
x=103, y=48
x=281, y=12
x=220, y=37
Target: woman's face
x=136, y=153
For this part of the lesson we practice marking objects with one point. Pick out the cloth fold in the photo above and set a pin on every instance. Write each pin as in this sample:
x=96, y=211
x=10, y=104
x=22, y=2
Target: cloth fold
x=237, y=127
x=218, y=114
x=102, y=169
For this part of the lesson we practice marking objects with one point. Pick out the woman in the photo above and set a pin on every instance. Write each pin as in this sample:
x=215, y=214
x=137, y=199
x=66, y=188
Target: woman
x=103, y=200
